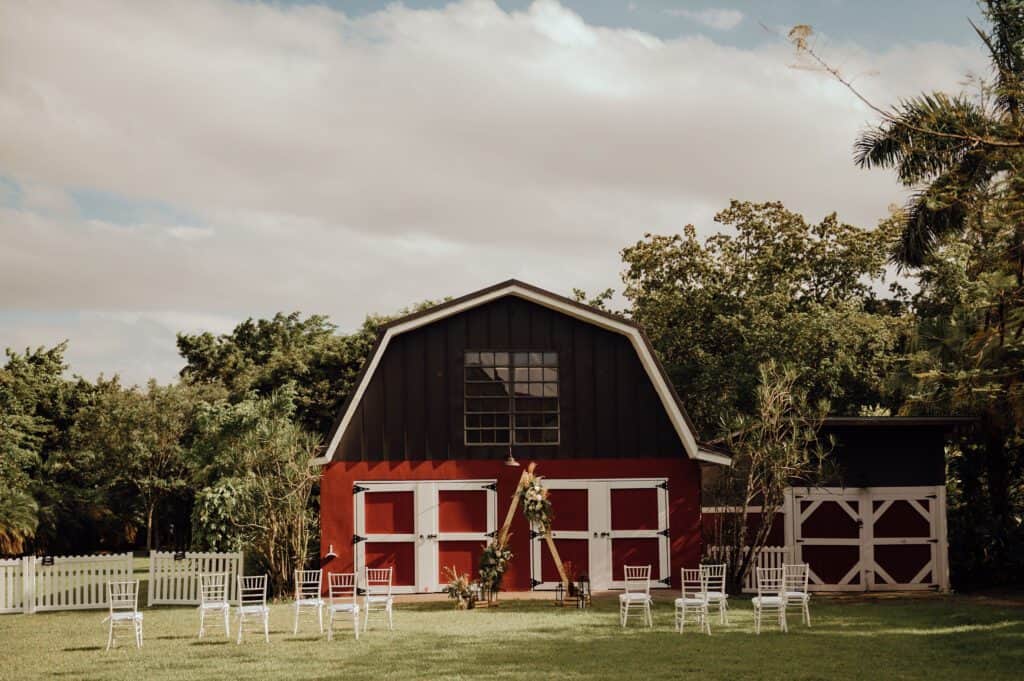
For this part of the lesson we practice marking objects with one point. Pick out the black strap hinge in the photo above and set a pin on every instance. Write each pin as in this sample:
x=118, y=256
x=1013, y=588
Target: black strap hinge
x=356, y=489
x=534, y=534
x=667, y=581
x=663, y=485
x=491, y=534
x=663, y=533
x=491, y=486
x=534, y=583
x=356, y=538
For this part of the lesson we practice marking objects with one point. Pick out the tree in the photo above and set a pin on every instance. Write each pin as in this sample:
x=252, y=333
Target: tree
x=28, y=382
x=136, y=437
x=772, y=449
x=778, y=289
x=961, y=233
x=263, y=355
x=256, y=482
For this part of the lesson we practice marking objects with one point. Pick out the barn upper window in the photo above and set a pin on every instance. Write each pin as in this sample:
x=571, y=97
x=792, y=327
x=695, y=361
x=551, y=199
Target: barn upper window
x=511, y=398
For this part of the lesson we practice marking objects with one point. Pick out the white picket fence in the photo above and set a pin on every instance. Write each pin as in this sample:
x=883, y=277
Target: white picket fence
x=37, y=584
x=174, y=577
x=12, y=585
x=767, y=557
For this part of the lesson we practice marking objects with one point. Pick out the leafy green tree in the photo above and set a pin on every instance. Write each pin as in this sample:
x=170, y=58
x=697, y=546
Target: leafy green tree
x=775, y=447
x=772, y=288
x=28, y=384
x=263, y=355
x=256, y=482
x=136, y=438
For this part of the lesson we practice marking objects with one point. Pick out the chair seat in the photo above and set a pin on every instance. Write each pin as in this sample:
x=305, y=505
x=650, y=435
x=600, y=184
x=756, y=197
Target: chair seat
x=689, y=601
x=343, y=607
x=214, y=606
x=634, y=598
x=253, y=609
x=715, y=596
x=126, y=616
x=797, y=595
x=310, y=602
x=766, y=600
x=379, y=599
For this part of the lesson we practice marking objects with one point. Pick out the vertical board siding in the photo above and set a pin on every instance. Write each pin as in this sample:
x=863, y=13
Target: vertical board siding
x=413, y=406
x=176, y=582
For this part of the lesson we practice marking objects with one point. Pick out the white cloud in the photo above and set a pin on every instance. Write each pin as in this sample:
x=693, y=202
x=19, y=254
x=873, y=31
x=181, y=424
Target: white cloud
x=351, y=165
x=716, y=18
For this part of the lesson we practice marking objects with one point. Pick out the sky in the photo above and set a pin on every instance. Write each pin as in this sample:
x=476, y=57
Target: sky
x=180, y=167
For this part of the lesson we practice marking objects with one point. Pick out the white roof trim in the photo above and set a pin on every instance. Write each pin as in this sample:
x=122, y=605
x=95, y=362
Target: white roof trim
x=672, y=408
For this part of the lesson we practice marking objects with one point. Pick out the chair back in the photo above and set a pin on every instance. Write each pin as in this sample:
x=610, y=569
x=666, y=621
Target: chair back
x=252, y=590
x=213, y=588
x=378, y=581
x=695, y=583
x=308, y=583
x=715, y=574
x=341, y=586
x=796, y=576
x=770, y=581
x=637, y=578
x=123, y=596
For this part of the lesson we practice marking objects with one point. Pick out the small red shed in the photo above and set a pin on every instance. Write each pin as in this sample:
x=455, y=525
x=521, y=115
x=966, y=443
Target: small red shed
x=417, y=472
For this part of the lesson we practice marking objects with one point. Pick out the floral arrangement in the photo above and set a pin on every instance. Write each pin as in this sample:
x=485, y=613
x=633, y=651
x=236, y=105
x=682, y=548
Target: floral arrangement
x=536, y=505
x=459, y=589
x=493, y=562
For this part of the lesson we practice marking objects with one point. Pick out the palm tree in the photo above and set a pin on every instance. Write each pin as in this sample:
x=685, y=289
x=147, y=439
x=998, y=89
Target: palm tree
x=18, y=519
x=955, y=151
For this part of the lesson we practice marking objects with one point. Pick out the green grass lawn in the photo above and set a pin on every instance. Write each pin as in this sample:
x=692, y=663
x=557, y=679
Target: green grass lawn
x=952, y=637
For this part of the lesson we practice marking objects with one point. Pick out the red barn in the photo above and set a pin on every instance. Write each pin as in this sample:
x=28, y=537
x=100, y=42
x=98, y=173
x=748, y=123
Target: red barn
x=422, y=461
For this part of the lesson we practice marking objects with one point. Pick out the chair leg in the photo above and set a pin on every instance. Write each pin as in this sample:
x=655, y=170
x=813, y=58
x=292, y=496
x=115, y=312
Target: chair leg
x=330, y=626
x=807, y=613
x=757, y=620
x=241, y=626
x=355, y=623
x=320, y=617
x=110, y=635
x=391, y=619
x=266, y=627
x=295, y=630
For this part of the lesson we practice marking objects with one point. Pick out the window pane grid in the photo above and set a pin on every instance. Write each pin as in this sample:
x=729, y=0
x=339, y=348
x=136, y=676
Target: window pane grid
x=517, y=389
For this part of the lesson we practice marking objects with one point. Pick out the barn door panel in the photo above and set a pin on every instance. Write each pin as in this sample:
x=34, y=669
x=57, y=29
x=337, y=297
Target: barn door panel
x=387, y=520
x=828, y=532
x=466, y=518
x=571, y=502
x=638, y=529
x=904, y=541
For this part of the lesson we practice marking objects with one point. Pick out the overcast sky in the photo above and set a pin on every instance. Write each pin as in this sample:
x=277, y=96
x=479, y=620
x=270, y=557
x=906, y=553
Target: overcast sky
x=181, y=166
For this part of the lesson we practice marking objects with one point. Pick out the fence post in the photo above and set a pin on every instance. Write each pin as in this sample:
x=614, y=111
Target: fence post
x=28, y=585
x=151, y=583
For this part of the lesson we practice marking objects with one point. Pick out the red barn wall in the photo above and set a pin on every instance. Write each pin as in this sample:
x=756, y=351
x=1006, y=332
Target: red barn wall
x=682, y=473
